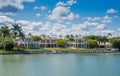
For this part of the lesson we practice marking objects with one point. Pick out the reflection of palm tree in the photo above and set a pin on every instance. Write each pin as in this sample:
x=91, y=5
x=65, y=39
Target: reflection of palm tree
x=5, y=32
x=17, y=30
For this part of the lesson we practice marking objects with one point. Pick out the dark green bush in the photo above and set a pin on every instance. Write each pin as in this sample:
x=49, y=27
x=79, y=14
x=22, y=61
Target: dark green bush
x=9, y=45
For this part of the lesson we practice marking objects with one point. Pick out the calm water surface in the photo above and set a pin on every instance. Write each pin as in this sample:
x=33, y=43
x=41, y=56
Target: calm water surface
x=60, y=65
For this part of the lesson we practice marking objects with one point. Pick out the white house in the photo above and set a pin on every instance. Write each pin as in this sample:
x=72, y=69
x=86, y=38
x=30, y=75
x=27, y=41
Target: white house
x=50, y=42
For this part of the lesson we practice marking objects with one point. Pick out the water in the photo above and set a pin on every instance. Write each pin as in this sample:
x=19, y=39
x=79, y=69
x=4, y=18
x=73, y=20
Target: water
x=60, y=65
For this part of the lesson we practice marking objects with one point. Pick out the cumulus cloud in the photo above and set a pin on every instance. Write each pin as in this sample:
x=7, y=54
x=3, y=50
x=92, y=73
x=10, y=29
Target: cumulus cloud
x=111, y=11
x=6, y=20
x=60, y=13
x=68, y=3
x=35, y=28
x=107, y=31
x=93, y=19
x=41, y=8
x=71, y=2
x=104, y=19
x=12, y=5
x=118, y=29
x=101, y=27
x=38, y=15
x=57, y=29
x=8, y=14
x=23, y=22
x=60, y=4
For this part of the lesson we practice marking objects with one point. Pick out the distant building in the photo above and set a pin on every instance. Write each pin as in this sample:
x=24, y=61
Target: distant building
x=50, y=42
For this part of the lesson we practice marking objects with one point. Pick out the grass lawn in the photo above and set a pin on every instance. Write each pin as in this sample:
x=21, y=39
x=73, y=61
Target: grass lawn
x=2, y=51
x=57, y=49
x=40, y=49
x=70, y=49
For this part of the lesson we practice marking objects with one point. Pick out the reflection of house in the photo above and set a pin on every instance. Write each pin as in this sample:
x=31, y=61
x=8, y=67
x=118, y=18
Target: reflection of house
x=50, y=42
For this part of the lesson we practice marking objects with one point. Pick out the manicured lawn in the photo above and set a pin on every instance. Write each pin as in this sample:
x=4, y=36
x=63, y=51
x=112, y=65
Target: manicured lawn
x=57, y=49
x=40, y=49
x=70, y=49
x=2, y=51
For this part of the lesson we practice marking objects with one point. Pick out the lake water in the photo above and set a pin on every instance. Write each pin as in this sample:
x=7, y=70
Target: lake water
x=60, y=65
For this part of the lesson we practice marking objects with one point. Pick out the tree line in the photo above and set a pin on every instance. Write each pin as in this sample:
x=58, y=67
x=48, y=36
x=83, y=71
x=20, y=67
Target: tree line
x=8, y=36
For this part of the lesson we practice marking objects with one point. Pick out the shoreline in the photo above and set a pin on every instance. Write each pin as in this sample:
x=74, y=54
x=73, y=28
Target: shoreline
x=59, y=52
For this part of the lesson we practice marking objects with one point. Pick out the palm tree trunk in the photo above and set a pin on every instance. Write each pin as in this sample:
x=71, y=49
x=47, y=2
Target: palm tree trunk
x=104, y=44
x=99, y=43
x=14, y=42
x=4, y=44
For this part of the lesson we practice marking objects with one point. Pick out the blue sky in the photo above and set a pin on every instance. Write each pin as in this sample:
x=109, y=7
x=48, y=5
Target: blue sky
x=61, y=17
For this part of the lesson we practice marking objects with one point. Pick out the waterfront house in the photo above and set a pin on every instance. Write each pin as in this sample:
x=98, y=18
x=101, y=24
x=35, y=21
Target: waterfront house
x=50, y=42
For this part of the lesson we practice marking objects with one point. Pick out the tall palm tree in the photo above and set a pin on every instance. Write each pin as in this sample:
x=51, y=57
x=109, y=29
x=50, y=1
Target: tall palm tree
x=98, y=40
x=5, y=32
x=104, y=39
x=17, y=30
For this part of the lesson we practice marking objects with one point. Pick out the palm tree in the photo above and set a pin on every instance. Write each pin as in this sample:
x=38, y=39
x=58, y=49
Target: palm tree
x=67, y=36
x=17, y=30
x=105, y=39
x=72, y=36
x=98, y=40
x=5, y=32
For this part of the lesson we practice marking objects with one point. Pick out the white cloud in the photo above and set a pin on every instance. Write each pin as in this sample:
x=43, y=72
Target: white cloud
x=86, y=23
x=60, y=13
x=40, y=7
x=35, y=28
x=38, y=15
x=107, y=31
x=93, y=19
x=56, y=29
x=106, y=19
x=35, y=7
x=101, y=27
x=60, y=4
x=43, y=8
x=68, y=23
x=68, y=3
x=15, y=3
x=118, y=29
x=6, y=20
x=71, y=2
x=8, y=14
x=111, y=11
x=23, y=22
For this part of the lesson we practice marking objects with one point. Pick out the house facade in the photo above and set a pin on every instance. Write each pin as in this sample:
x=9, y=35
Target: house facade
x=50, y=42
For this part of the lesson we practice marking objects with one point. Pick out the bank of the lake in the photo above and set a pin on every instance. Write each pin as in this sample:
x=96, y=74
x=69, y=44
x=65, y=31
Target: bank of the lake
x=58, y=51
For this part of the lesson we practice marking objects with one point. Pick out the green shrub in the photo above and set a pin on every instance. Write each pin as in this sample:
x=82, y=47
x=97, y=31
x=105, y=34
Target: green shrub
x=92, y=43
x=61, y=43
x=116, y=43
x=16, y=49
x=9, y=45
